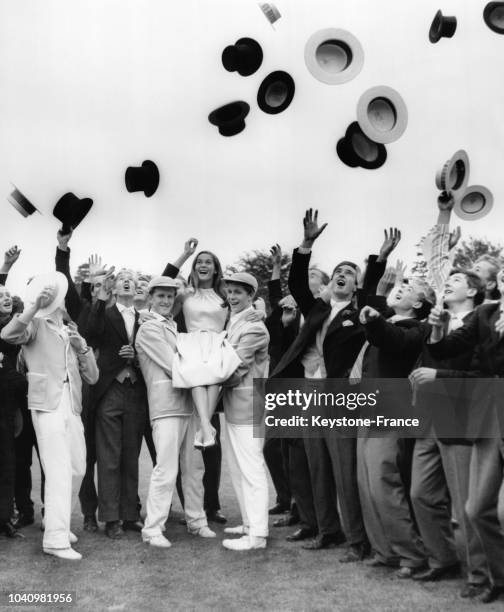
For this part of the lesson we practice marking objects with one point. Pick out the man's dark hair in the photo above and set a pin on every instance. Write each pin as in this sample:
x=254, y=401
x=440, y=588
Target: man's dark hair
x=473, y=282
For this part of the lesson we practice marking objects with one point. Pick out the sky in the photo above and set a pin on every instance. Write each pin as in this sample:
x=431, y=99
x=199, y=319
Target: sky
x=92, y=87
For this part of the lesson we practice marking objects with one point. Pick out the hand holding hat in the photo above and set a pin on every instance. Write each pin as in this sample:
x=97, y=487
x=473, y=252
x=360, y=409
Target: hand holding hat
x=45, y=297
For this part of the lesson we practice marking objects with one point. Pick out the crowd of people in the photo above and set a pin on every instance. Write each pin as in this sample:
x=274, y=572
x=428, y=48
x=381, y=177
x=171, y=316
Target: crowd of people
x=88, y=371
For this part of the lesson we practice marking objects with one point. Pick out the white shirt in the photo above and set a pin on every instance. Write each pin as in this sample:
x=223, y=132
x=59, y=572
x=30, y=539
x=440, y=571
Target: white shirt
x=128, y=315
x=457, y=320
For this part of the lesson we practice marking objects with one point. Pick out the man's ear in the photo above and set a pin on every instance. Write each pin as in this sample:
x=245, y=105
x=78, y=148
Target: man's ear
x=491, y=285
x=417, y=305
x=472, y=291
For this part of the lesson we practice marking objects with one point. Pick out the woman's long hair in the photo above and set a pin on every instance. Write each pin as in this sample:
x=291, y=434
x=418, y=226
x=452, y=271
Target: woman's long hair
x=217, y=282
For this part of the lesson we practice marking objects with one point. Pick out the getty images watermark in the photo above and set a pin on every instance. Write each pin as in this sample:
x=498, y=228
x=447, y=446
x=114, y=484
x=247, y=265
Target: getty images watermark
x=465, y=408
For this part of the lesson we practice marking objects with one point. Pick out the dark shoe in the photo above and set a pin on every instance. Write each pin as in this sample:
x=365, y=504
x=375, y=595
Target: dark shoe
x=23, y=520
x=490, y=593
x=301, y=534
x=356, y=552
x=325, y=541
x=286, y=521
x=216, y=517
x=90, y=523
x=9, y=530
x=114, y=530
x=278, y=509
x=375, y=562
x=437, y=573
x=472, y=590
x=132, y=525
x=408, y=572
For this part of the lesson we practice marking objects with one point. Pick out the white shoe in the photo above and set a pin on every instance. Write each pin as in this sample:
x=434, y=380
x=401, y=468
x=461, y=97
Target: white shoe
x=64, y=553
x=72, y=538
x=245, y=543
x=158, y=541
x=202, y=532
x=239, y=530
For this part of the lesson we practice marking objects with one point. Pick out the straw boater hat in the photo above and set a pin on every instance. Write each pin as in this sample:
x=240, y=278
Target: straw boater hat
x=475, y=203
x=21, y=203
x=37, y=283
x=142, y=178
x=276, y=92
x=162, y=282
x=270, y=11
x=493, y=15
x=334, y=56
x=442, y=27
x=71, y=210
x=242, y=278
x=454, y=175
x=382, y=114
x=230, y=119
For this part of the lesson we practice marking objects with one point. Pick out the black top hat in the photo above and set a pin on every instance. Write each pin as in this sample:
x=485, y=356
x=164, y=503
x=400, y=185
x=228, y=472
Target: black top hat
x=142, y=178
x=21, y=203
x=356, y=149
x=230, y=119
x=244, y=57
x=493, y=14
x=276, y=92
x=71, y=210
x=442, y=27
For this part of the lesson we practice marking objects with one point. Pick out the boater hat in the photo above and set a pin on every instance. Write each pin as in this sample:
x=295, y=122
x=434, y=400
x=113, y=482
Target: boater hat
x=21, y=203
x=334, y=56
x=244, y=57
x=382, y=114
x=276, y=92
x=358, y=148
x=442, y=27
x=37, y=283
x=71, y=210
x=475, y=203
x=143, y=178
x=162, y=282
x=242, y=278
x=230, y=119
x=270, y=11
x=454, y=175
x=493, y=14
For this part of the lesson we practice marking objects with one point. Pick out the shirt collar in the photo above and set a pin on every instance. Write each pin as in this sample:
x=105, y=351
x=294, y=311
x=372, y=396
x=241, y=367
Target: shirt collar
x=121, y=308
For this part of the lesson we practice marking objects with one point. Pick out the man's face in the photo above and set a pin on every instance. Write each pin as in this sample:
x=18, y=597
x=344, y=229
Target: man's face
x=457, y=290
x=404, y=298
x=315, y=280
x=125, y=285
x=5, y=301
x=485, y=270
x=162, y=299
x=142, y=292
x=238, y=297
x=345, y=282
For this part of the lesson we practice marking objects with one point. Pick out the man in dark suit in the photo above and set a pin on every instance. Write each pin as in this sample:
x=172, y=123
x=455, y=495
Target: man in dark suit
x=120, y=398
x=483, y=332
x=327, y=347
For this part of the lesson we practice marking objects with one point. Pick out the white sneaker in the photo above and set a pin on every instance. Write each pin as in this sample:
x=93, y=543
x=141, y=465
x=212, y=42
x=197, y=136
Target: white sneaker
x=245, y=543
x=64, y=553
x=158, y=541
x=202, y=532
x=72, y=538
x=239, y=530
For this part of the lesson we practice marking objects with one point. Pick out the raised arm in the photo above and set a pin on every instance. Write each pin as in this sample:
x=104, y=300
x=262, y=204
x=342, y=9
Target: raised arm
x=10, y=258
x=274, y=284
x=172, y=269
x=73, y=303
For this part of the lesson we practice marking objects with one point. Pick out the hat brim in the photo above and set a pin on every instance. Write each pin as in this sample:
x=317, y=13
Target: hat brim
x=442, y=27
x=270, y=11
x=369, y=154
x=232, y=124
x=256, y=50
x=153, y=178
x=345, y=154
x=489, y=17
x=333, y=56
x=227, y=279
x=265, y=96
x=382, y=114
x=43, y=280
x=454, y=175
x=474, y=204
x=22, y=204
x=72, y=214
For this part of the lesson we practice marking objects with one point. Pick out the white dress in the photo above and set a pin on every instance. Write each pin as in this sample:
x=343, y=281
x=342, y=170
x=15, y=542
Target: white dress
x=204, y=356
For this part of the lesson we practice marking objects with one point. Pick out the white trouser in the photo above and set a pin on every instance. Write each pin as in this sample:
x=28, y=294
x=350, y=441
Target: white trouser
x=62, y=448
x=174, y=436
x=248, y=474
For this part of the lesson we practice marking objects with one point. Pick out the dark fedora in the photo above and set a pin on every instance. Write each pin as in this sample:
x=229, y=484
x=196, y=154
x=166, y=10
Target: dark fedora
x=276, y=92
x=230, y=118
x=493, y=14
x=442, y=27
x=143, y=178
x=359, y=150
x=71, y=210
x=244, y=57
x=21, y=203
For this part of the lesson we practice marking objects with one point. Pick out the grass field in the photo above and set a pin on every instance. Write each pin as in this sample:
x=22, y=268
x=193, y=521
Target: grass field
x=199, y=574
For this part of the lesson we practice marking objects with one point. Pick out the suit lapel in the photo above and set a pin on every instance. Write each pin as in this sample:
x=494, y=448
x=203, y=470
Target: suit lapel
x=338, y=319
x=118, y=323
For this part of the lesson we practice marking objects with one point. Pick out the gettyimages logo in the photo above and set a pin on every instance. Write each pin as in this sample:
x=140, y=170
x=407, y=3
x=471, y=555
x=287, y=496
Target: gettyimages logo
x=304, y=401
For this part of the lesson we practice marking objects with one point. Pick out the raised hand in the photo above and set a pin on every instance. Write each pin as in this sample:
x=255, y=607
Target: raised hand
x=76, y=340
x=454, y=237
x=107, y=282
x=96, y=267
x=445, y=201
x=368, y=313
x=400, y=269
x=387, y=282
x=63, y=240
x=438, y=317
x=11, y=256
x=311, y=228
x=190, y=246
x=276, y=255
x=391, y=240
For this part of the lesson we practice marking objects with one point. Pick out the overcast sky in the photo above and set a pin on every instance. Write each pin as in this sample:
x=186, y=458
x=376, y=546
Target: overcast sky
x=91, y=87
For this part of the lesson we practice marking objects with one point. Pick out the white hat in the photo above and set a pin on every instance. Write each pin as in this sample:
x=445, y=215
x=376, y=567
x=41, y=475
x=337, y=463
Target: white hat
x=475, y=203
x=333, y=56
x=38, y=283
x=454, y=175
x=162, y=282
x=382, y=114
x=243, y=278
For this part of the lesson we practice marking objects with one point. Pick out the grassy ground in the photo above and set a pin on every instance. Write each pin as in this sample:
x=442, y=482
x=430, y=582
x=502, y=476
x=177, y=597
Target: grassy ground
x=201, y=574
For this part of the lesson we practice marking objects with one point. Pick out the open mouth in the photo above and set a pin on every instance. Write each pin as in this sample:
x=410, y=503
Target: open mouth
x=340, y=282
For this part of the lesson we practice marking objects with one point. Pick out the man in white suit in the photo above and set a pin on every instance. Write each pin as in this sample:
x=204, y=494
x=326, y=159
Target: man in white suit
x=174, y=423
x=250, y=340
x=56, y=357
